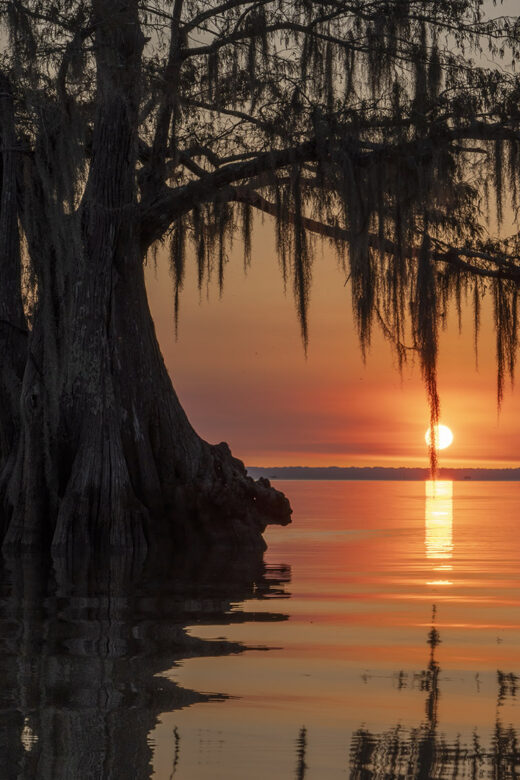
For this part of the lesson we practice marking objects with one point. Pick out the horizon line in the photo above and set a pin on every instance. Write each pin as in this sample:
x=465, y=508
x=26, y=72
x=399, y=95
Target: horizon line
x=500, y=473
x=394, y=468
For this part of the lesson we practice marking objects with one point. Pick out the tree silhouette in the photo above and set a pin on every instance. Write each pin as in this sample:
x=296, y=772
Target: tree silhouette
x=129, y=124
x=82, y=657
x=423, y=750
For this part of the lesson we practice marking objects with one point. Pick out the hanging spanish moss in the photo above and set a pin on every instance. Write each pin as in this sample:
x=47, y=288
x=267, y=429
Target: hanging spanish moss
x=177, y=254
x=425, y=321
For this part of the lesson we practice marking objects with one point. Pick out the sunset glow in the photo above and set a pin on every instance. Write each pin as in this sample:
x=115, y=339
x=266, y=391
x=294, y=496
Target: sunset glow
x=443, y=437
x=244, y=377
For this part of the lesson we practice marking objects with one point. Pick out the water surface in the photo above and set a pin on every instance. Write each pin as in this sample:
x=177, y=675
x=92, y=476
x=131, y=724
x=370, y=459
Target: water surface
x=379, y=638
x=400, y=654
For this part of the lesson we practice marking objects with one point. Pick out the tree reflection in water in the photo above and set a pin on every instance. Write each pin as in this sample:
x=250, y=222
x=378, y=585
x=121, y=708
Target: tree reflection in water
x=301, y=750
x=423, y=752
x=81, y=655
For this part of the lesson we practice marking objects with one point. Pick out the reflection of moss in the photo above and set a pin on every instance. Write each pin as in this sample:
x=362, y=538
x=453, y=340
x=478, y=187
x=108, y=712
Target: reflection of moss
x=301, y=749
x=81, y=657
x=422, y=752
x=507, y=685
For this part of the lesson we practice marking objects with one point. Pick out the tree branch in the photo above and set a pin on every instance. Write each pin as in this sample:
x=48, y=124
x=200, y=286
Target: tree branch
x=156, y=217
x=228, y=112
x=219, y=9
x=451, y=255
x=245, y=35
x=61, y=81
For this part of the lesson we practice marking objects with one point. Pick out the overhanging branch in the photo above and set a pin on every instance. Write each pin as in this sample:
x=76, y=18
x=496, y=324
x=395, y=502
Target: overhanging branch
x=159, y=215
x=453, y=256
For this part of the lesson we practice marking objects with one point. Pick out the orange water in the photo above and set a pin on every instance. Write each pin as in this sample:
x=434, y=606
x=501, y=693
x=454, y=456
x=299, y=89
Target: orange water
x=393, y=648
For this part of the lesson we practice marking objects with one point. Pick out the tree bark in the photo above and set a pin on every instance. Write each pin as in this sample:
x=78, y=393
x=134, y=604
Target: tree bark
x=13, y=329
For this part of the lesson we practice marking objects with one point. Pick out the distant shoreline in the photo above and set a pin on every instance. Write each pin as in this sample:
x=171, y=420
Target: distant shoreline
x=382, y=473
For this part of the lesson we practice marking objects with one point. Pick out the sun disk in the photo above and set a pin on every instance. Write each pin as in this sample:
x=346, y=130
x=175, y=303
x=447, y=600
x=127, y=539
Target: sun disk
x=443, y=437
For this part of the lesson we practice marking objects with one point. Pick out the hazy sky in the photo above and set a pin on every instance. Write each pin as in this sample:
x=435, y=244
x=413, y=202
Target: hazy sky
x=241, y=374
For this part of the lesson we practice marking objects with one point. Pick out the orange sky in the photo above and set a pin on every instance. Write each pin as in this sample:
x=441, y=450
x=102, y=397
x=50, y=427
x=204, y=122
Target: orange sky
x=241, y=374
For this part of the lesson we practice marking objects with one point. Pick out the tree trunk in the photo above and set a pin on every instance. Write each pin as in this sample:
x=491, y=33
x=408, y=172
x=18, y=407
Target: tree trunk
x=107, y=458
x=13, y=330
x=112, y=461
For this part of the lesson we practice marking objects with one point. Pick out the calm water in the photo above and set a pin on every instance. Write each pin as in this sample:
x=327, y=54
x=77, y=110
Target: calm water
x=380, y=638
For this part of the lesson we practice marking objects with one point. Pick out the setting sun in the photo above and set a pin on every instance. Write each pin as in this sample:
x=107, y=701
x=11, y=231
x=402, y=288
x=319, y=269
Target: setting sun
x=443, y=437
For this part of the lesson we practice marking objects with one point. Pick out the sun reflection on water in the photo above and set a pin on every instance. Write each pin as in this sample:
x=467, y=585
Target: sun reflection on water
x=439, y=526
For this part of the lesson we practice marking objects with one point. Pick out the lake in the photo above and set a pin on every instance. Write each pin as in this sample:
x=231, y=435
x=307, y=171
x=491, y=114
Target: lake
x=380, y=637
